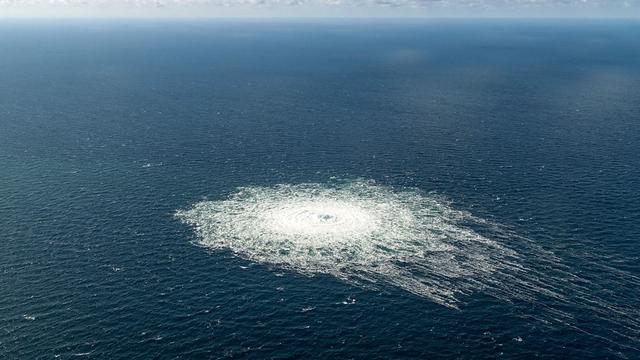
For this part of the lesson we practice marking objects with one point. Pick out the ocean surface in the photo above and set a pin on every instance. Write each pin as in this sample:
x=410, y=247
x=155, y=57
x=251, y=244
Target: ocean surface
x=319, y=189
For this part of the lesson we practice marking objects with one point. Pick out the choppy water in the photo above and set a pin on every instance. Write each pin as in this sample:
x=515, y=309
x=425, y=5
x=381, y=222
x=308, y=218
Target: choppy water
x=348, y=190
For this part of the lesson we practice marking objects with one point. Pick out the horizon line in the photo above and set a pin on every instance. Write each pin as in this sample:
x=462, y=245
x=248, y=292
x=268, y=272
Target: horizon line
x=319, y=17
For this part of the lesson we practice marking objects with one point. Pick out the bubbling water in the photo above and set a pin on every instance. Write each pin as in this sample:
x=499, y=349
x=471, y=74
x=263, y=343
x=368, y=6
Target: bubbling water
x=373, y=235
x=320, y=218
x=359, y=232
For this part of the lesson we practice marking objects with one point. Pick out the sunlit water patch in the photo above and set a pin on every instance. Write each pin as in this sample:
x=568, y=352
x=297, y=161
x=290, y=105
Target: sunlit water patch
x=373, y=235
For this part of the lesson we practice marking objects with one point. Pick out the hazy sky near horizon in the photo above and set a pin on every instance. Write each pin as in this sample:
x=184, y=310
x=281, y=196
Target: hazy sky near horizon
x=320, y=8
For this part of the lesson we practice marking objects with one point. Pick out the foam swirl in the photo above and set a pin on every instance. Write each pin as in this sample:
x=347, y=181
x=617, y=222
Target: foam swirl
x=371, y=235
x=356, y=231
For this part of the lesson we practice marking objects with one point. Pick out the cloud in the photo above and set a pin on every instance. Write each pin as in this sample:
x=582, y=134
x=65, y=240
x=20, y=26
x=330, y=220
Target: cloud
x=409, y=7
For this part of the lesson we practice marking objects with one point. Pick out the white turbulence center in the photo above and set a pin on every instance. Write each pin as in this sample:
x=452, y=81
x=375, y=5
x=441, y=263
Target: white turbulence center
x=357, y=231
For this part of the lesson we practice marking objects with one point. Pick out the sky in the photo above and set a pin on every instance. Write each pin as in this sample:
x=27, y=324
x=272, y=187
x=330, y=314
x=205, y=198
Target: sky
x=319, y=8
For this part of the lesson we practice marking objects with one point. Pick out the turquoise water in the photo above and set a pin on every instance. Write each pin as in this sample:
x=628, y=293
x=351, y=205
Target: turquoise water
x=494, y=166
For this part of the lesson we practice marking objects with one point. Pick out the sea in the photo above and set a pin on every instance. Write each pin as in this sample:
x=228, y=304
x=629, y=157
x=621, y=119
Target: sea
x=319, y=189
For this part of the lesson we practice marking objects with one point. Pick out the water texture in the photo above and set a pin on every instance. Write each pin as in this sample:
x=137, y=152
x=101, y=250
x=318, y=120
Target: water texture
x=340, y=189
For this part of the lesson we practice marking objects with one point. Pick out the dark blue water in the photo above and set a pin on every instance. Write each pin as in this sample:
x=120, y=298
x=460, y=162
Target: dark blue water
x=107, y=128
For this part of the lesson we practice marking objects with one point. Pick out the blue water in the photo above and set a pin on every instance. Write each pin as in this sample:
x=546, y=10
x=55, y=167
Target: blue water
x=108, y=128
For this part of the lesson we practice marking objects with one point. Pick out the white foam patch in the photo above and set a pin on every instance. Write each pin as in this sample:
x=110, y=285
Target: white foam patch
x=373, y=236
x=360, y=232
